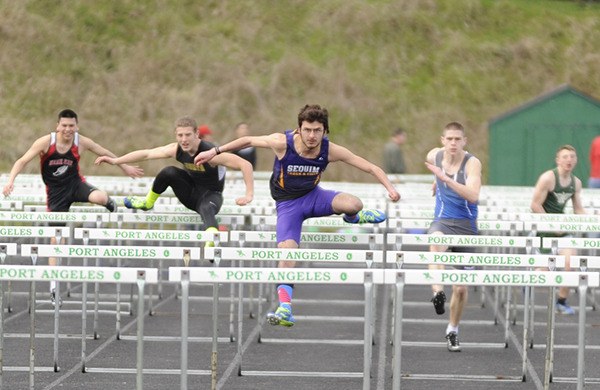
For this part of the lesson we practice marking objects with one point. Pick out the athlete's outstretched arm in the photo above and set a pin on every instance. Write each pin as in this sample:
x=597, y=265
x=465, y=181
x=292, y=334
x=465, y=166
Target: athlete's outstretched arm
x=236, y=162
x=38, y=147
x=275, y=141
x=88, y=144
x=340, y=153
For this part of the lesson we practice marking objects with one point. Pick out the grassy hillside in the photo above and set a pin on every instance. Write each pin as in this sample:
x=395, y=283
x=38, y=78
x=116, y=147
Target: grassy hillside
x=131, y=67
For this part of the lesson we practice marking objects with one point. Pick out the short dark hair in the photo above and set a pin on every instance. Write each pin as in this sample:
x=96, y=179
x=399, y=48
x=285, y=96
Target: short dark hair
x=398, y=131
x=454, y=126
x=314, y=113
x=68, y=113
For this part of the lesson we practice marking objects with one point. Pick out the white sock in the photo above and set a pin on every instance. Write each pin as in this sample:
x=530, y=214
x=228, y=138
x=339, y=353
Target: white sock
x=451, y=328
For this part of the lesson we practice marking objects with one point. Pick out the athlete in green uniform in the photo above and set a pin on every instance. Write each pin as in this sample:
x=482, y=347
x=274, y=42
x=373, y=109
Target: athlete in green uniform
x=553, y=190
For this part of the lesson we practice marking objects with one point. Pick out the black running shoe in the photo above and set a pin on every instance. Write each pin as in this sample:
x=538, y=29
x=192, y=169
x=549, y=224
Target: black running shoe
x=54, y=300
x=452, y=341
x=438, y=302
x=111, y=205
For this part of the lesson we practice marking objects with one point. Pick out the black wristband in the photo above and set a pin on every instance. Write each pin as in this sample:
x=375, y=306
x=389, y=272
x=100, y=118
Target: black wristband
x=217, y=150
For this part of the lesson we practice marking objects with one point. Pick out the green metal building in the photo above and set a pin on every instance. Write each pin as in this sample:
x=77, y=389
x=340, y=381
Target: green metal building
x=523, y=141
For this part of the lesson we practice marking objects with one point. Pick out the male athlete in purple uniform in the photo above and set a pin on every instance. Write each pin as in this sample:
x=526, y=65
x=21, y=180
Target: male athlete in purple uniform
x=458, y=182
x=301, y=158
x=59, y=154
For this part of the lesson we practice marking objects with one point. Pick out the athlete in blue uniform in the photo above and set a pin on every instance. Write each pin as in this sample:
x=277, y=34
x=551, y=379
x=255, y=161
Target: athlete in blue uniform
x=198, y=187
x=301, y=156
x=457, y=185
x=59, y=154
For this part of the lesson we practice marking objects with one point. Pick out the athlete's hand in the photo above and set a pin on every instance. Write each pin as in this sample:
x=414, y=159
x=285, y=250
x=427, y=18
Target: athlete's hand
x=205, y=156
x=132, y=170
x=394, y=195
x=437, y=171
x=106, y=159
x=244, y=200
x=8, y=189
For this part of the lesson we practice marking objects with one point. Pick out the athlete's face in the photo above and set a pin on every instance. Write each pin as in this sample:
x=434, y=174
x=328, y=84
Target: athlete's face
x=312, y=134
x=187, y=138
x=454, y=141
x=66, y=128
x=566, y=160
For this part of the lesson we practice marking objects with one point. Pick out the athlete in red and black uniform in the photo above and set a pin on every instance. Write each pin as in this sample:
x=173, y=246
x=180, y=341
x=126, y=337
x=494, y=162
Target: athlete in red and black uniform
x=59, y=156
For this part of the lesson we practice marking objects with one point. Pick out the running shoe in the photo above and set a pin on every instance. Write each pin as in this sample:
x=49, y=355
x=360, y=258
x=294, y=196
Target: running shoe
x=564, y=309
x=111, y=205
x=367, y=216
x=210, y=244
x=438, y=301
x=135, y=202
x=452, y=341
x=282, y=316
x=54, y=300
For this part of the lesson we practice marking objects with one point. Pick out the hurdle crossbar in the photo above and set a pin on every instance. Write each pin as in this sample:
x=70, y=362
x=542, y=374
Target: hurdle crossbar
x=278, y=275
x=580, y=280
x=33, y=274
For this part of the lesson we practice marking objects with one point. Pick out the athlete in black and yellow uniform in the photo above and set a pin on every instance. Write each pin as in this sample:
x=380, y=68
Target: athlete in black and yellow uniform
x=198, y=187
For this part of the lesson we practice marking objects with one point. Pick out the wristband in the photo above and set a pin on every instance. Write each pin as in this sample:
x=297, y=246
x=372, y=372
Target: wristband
x=217, y=150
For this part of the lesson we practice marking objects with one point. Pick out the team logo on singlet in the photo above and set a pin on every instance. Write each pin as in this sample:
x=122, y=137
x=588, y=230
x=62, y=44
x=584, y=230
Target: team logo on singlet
x=60, y=161
x=194, y=167
x=60, y=171
x=303, y=170
x=562, y=197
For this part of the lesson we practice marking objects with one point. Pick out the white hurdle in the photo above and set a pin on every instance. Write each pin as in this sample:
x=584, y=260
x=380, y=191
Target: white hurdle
x=486, y=241
x=11, y=205
x=330, y=256
x=554, y=244
x=140, y=276
x=40, y=217
x=105, y=252
x=215, y=275
x=30, y=232
x=148, y=235
x=371, y=241
x=580, y=280
x=165, y=218
x=496, y=242
x=479, y=260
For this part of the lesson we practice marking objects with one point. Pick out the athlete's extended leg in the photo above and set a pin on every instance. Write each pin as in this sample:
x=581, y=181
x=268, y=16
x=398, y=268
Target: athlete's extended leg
x=170, y=176
x=85, y=192
x=439, y=297
x=283, y=315
x=457, y=304
x=208, y=206
x=562, y=307
x=352, y=208
x=101, y=198
x=290, y=215
x=60, y=200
